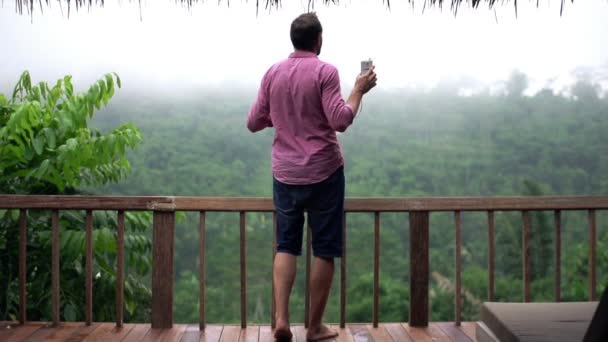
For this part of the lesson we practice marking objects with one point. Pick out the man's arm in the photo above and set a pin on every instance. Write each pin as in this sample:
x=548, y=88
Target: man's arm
x=363, y=84
x=340, y=114
x=258, y=117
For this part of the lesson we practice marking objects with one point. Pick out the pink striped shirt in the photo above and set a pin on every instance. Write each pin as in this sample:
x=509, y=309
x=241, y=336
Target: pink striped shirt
x=300, y=97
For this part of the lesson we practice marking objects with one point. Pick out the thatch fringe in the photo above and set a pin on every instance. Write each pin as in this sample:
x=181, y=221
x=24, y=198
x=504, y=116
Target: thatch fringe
x=28, y=6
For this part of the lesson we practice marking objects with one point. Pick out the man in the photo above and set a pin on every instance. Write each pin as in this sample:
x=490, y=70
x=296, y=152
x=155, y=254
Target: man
x=300, y=97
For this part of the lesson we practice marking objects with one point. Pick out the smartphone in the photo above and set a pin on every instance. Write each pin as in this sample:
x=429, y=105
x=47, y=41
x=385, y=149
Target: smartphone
x=366, y=65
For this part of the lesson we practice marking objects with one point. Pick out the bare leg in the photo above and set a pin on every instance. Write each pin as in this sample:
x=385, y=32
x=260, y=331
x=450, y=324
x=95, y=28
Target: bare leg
x=321, y=277
x=284, y=276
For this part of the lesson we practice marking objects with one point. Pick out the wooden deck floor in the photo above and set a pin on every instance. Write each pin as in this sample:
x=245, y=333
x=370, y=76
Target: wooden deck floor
x=36, y=331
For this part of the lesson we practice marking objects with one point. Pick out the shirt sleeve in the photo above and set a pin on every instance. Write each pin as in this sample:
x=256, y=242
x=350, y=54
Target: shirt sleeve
x=258, y=117
x=339, y=114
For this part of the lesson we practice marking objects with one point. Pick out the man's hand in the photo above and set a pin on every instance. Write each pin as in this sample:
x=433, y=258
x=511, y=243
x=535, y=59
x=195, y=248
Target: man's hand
x=365, y=82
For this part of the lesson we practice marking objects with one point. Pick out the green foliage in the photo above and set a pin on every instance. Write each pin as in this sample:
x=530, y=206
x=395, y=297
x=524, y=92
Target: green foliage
x=45, y=140
x=46, y=147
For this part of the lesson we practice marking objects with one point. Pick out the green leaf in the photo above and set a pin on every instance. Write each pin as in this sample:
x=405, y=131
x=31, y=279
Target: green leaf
x=38, y=144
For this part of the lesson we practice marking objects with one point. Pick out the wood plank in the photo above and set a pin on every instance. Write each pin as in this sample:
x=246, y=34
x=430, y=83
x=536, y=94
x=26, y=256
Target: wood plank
x=212, y=333
x=250, y=334
x=88, y=280
x=458, y=268
x=344, y=334
x=419, y=268
x=343, y=276
x=266, y=334
x=120, y=267
x=558, y=256
x=243, y=255
x=110, y=332
x=396, y=331
x=300, y=333
x=526, y=254
x=592, y=256
x=249, y=204
x=153, y=335
x=41, y=334
x=192, y=333
x=173, y=334
x=360, y=333
x=491, y=263
x=22, y=265
x=64, y=331
x=376, y=269
x=379, y=334
x=508, y=203
x=437, y=334
x=163, y=234
x=453, y=332
x=83, y=202
x=418, y=334
x=55, y=275
x=17, y=332
x=230, y=333
x=469, y=329
x=201, y=269
x=138, y=333
x=82, y=332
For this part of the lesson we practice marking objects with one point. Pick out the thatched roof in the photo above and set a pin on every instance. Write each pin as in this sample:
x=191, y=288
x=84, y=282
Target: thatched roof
x=29, y=6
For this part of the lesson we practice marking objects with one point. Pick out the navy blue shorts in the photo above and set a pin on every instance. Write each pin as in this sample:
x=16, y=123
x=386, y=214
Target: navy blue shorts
x=324, y=202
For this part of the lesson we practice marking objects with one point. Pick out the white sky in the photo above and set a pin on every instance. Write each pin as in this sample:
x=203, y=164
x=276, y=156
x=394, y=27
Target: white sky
x=216, y=45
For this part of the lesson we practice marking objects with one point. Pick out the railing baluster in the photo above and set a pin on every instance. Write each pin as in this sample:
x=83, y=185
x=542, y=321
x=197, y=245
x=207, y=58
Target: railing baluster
x=592, y=244
x=526, y=254
x=88, y=311
x=307, y=281
x=55, y=266
x=163, y=235
x=274, y=253
x=376, y=266
x=458, y=269
x=558, y=255
x=491, y=256
x=243, y=273
x=22, y=265
x=201, y=269
x=343, y=276
x=419, y=268
x=120, y=267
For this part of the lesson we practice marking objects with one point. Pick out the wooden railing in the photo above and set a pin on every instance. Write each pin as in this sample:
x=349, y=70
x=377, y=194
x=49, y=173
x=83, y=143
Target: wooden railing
x=164, y=209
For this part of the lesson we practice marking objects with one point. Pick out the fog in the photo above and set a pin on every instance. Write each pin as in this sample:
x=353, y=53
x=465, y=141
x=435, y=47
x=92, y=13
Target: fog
x=173, y=48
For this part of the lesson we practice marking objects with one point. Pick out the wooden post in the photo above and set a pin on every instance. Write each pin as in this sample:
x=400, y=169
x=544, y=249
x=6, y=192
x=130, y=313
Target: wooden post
x=243, y=254
x=201, y=269
x=162, y=269
x=419, y=269
x=491, y=286
x=55, y=269
x=375, y=315
x=120, y=267
x=88, y=307
x=527, y=275
x=22, y=265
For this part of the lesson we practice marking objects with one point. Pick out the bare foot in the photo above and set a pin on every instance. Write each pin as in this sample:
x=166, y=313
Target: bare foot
x=320, y=333
x=282, y=331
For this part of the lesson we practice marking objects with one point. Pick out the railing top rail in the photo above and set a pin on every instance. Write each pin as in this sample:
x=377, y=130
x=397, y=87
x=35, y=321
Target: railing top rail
x=256, y=204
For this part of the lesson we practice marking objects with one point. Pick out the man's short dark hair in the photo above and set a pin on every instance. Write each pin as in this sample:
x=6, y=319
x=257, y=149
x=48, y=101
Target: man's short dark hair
x=305, y=31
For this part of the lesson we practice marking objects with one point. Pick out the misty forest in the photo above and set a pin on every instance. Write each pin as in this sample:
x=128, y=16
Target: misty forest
x=59, y=138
